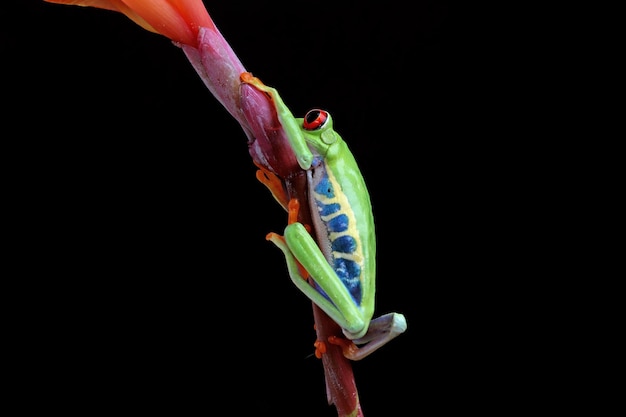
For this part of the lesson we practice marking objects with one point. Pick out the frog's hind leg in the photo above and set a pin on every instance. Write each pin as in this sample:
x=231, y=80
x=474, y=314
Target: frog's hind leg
x=380, y=331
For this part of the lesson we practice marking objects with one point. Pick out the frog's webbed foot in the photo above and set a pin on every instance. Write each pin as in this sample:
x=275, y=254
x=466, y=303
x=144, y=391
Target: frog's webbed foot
x=320, y=348
x=248, y=78
x=274, y=184
x=348, y=347
x=380, y=331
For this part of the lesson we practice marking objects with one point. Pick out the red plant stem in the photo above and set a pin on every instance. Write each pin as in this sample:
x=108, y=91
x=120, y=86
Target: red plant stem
x=340, y=385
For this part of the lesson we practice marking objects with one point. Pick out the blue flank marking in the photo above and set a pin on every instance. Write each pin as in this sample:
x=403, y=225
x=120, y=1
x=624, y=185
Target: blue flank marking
x=325, y=188
x=344, y=244
x=327, y=209
x=347, y=270
x=339, y=224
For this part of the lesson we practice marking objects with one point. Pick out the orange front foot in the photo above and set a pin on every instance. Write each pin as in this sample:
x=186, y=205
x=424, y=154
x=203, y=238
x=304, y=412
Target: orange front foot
x=248, y=78
x=348, y=347
x=274, y=184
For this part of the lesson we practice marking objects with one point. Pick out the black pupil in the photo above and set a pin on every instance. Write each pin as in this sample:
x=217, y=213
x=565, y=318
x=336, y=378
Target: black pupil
x=312, y=116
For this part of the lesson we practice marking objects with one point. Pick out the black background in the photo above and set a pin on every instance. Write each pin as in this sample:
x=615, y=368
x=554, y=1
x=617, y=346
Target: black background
x=138, y=194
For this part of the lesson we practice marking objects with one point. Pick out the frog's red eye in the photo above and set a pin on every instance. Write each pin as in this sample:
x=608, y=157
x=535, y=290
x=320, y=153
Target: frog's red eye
x=315, y=119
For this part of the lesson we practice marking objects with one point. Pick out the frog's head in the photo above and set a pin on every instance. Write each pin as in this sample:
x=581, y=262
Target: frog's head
x=317, y=128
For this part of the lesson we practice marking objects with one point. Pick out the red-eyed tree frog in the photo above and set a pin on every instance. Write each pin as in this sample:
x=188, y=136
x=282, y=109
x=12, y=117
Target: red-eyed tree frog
x=341, y=258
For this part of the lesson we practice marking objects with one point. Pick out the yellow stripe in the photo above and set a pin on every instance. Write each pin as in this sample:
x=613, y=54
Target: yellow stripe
x=344, y=208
